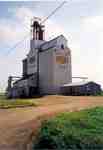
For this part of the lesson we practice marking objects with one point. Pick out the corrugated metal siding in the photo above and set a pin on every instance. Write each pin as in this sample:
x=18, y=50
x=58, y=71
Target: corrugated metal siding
x=90, y=88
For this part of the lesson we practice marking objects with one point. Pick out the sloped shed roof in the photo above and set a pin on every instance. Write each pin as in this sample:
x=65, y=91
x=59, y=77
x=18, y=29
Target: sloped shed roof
x=78, y=83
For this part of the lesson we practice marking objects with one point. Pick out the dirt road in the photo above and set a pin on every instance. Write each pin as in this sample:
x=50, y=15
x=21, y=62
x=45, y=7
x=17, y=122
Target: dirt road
x=17, y=126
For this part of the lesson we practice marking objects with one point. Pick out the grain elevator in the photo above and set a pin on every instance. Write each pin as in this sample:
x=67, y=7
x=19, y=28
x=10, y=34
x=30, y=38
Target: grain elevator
x=46, y=67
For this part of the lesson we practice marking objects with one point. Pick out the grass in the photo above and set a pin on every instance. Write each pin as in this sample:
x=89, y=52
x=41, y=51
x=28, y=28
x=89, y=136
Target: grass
x=101, y=94
x=13, y=103
x=76, y=130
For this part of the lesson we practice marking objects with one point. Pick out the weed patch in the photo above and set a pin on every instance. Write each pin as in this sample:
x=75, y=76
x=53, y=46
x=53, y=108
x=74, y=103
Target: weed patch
x=76, y=130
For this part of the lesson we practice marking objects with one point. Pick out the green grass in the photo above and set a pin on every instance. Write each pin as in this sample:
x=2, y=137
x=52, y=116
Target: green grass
x=101, y=94
x=13, y=103
x=2, y=96
x=70, y=131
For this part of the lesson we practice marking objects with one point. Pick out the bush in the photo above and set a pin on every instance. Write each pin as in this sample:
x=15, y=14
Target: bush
x=77, y=130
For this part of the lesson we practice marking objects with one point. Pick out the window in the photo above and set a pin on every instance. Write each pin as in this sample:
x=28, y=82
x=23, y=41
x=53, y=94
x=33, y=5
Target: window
x=61, y=59
x=32, y=59
x=62, y=46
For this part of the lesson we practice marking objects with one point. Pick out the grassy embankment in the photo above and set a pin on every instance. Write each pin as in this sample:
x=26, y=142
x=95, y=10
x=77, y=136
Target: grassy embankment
x=76, y=130
x=13, y=103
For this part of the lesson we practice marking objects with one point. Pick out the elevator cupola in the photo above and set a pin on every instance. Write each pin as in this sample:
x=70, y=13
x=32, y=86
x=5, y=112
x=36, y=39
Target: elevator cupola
x=37, y=29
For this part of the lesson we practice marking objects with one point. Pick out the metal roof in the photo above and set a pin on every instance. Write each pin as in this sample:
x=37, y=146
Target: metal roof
x=78, y=83
x=53, y=39
x=50, y=44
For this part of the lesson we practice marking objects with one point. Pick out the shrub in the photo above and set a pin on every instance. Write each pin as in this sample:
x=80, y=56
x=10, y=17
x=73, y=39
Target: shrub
x=77, y=130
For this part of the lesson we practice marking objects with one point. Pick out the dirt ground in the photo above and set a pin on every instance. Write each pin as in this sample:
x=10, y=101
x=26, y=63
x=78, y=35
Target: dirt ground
x=19, y=125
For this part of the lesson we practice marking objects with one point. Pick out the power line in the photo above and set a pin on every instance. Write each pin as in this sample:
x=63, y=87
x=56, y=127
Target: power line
x=54, y=11
x=51, y=14
x=18, y=43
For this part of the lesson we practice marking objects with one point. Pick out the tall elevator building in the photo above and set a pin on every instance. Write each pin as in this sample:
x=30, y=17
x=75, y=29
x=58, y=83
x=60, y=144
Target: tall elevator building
x=46, y=68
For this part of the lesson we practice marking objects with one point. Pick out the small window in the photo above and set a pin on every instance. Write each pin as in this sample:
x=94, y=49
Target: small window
x=61, y=59
x=32, y=59
x=62, y=46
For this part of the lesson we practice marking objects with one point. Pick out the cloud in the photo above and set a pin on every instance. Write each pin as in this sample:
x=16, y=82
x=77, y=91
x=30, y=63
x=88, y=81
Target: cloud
x=53, y=30
x=10, y=34
x=24, y=15
x=15, y=30
x=87, y=50
x=93, y=23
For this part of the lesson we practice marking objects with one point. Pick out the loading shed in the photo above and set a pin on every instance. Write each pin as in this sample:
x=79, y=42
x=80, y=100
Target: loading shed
x=81, y=88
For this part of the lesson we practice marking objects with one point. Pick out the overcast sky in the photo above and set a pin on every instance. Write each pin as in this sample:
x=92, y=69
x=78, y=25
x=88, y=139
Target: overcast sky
x=80, y=21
